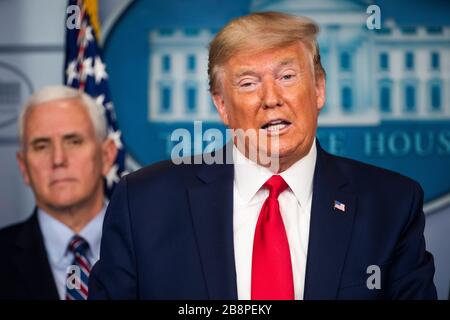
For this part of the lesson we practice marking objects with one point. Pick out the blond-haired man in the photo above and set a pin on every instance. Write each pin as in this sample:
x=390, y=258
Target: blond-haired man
x=312, y=226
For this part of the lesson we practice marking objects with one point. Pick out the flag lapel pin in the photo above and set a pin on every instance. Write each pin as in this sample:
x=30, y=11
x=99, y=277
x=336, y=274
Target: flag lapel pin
x=339, y=206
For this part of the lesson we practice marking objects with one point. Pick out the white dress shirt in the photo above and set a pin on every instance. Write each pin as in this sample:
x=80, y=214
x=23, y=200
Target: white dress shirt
x=57, y=237
x=295, y=207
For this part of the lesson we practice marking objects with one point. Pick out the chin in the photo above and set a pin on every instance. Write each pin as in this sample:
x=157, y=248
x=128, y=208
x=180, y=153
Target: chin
x=64, y=201
x=62, y=205
x=283, y=150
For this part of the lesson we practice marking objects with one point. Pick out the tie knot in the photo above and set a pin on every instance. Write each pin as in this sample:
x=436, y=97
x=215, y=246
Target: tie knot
x=276, y=185
x=78, y=245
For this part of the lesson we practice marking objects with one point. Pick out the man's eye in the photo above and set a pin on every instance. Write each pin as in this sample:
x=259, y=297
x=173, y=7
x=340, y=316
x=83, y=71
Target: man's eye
x=75, y=141
x=288, y=76
x=40, y=147
x=246, y=84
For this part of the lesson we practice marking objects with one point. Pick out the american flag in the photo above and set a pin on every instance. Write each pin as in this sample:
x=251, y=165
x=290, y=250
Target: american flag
x=85, y=70
x=339, y=206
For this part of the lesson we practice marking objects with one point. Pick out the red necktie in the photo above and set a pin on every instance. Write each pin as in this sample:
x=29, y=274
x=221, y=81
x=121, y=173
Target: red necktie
x=272, y=277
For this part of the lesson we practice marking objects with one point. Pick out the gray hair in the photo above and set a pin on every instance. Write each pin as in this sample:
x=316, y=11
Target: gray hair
x=51, y=93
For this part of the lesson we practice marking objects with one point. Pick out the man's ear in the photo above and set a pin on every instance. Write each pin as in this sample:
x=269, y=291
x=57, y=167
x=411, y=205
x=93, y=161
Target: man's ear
x=23, y=166
x=220, y=106
x=320, y=92
x=109, y=153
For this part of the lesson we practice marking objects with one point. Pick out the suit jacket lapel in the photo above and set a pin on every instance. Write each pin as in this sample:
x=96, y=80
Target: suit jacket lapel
x=330, y=229
x=32, y=263
x=211, y=204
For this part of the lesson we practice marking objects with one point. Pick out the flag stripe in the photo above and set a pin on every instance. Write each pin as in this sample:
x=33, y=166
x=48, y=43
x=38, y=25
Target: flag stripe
x=85, y=70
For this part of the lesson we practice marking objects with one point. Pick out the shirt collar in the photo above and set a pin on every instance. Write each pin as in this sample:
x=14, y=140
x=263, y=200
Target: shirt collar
x=57, y=235
x=249, y=176
x=92, y=233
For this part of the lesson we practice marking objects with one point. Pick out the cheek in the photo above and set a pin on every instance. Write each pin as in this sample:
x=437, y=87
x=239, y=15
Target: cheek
x=305, y=106
x=236, y=116
x=244, y=112
x=97, y=162
x=38, y=176
x=39, y=169
x=86, y=162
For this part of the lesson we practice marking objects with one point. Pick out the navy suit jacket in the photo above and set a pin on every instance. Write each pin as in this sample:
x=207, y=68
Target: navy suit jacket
x=168, y=234
x=25, y=270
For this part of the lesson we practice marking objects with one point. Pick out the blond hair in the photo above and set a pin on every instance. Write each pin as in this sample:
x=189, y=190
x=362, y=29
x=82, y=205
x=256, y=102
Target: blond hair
x=261, y=31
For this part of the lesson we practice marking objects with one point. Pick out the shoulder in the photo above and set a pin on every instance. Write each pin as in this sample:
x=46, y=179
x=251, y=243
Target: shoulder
x=364, y=176
x=10, y=234
x=162, y=178
x=387, y=200
x=161, y=174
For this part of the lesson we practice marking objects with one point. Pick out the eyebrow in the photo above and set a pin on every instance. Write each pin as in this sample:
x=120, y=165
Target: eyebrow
x=286, y=62
x=72, y=135
x=250, y=72
x=245, y=72
x=39, y=140
x=67, y=136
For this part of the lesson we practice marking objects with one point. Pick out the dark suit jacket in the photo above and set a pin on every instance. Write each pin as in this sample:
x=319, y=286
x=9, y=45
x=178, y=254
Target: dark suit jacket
x=168, y=234
x=25, y=270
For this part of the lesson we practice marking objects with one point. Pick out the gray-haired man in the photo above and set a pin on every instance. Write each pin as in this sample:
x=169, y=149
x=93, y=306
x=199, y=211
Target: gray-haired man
x=64, y=154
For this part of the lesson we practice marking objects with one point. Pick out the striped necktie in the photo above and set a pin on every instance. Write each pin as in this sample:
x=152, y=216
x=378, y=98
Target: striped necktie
x=78, y=272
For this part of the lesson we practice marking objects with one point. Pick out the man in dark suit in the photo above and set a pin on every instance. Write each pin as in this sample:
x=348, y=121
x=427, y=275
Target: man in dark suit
x=64, y=154
x=302, y=225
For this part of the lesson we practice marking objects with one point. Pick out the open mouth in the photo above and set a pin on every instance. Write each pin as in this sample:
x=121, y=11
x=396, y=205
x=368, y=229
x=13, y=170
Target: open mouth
x=276, y=126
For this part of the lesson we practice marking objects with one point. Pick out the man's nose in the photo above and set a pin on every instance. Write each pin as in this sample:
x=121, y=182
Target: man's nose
x=59, y=157
x=271, y=95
